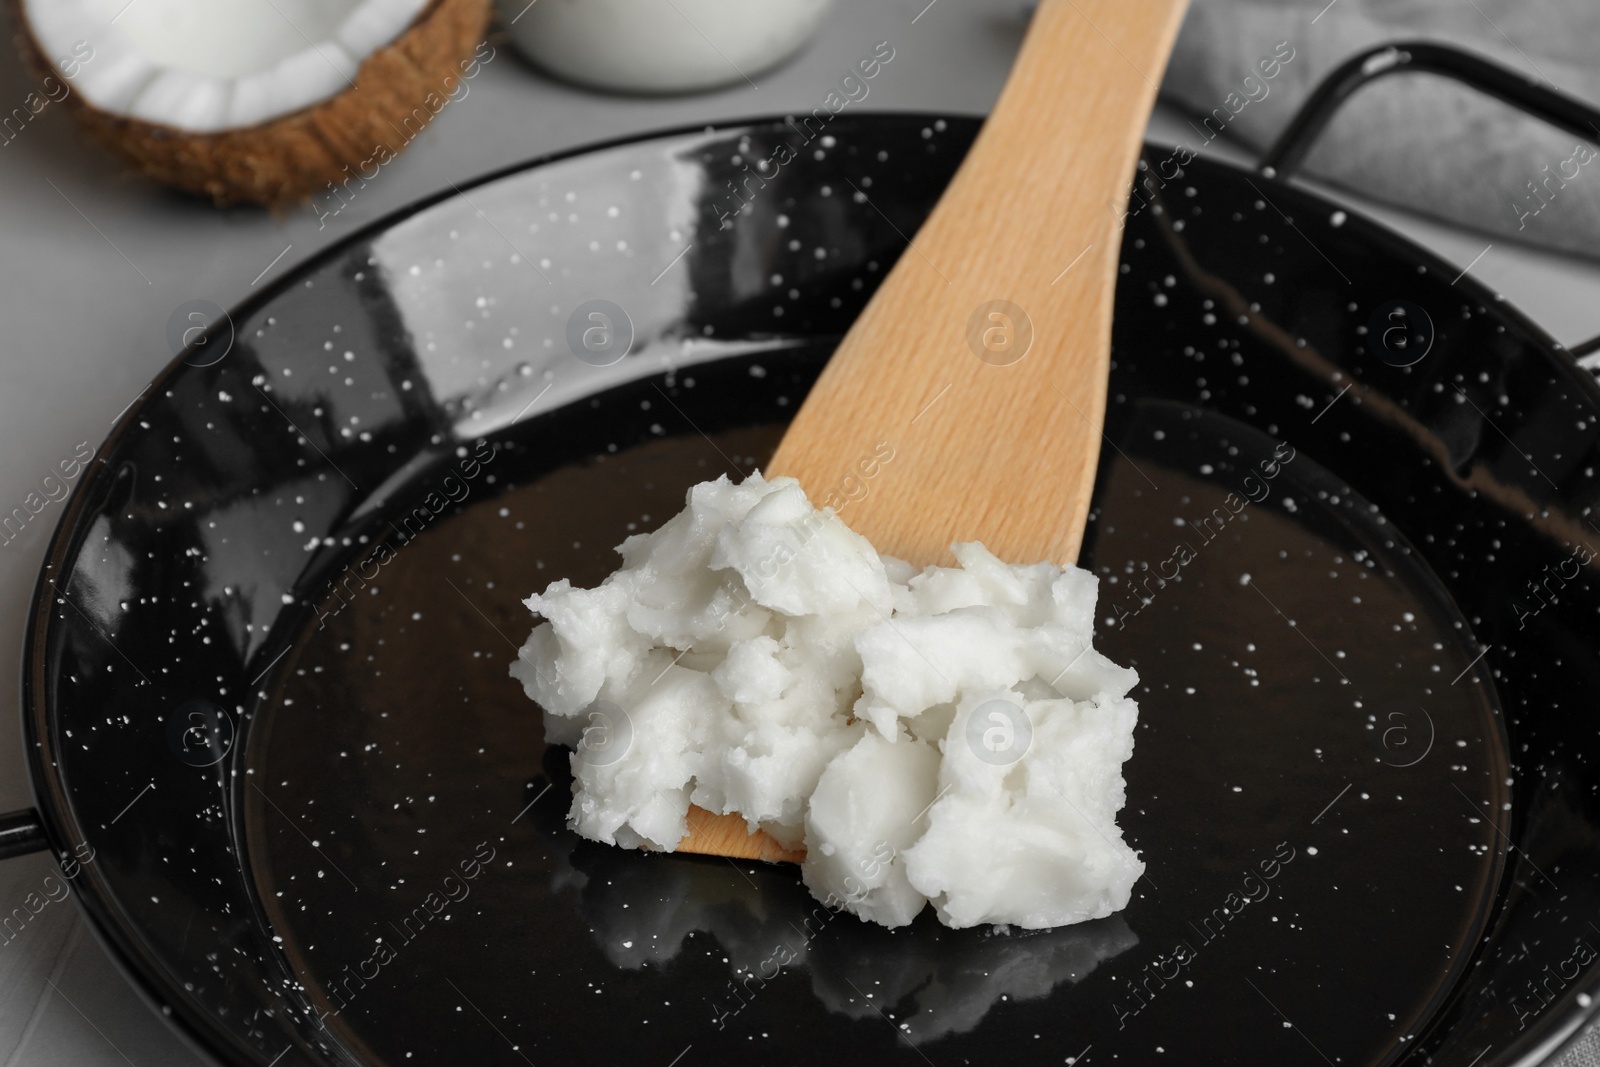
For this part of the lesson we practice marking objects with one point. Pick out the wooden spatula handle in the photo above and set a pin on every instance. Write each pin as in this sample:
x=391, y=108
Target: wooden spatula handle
x=1024, y=240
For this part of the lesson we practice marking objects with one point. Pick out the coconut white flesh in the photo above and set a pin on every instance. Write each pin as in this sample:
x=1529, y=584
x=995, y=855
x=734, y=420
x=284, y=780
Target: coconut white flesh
x=946, y=736
x=207, y=65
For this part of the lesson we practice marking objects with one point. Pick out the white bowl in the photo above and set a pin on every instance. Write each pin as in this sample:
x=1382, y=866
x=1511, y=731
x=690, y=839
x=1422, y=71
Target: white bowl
x=660, y=46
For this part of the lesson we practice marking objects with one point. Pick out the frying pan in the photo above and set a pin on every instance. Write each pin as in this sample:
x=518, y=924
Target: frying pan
x=275, y=750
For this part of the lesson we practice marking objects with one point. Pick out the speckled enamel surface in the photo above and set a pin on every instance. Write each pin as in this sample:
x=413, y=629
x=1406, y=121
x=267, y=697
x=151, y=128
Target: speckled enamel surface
x=267, y=678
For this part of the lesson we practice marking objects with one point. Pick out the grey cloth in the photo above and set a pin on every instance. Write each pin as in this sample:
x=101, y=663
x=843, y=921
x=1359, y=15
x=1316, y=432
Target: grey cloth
x=1418, y=140
x=1586, y=1053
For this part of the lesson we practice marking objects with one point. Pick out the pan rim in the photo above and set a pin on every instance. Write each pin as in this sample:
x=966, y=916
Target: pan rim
x=1553, y=1033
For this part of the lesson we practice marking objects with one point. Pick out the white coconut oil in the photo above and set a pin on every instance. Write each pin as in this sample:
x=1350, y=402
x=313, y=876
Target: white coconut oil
x=944, y=736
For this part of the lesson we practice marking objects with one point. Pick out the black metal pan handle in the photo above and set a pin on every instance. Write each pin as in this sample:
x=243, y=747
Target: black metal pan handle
x=1411, y=57
x=1424, y=57
x=21, y=832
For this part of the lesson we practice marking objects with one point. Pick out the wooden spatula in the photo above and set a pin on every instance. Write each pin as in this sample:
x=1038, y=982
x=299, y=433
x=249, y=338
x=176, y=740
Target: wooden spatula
x=982, y=359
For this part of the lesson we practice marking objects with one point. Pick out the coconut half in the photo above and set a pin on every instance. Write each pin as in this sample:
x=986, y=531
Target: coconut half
x=254, y=101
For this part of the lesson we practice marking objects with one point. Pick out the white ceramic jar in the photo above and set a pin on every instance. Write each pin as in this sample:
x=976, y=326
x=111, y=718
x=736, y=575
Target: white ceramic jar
x=660, y=46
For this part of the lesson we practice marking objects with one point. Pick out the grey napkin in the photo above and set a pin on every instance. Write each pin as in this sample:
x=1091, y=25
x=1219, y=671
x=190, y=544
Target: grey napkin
x=1418, y=140
x=1586, y=1054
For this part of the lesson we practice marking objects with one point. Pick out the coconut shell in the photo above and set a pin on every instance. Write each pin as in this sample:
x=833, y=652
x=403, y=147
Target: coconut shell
x=398, y=90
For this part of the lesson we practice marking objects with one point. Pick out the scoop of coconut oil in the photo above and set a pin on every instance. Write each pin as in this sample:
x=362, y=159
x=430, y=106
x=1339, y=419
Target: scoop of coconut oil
x=944, y=736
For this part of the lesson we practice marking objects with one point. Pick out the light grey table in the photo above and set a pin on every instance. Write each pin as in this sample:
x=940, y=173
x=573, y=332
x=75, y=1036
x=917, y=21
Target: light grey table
x=93, y=262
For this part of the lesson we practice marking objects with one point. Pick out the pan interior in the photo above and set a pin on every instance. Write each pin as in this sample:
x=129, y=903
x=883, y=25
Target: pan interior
x=1316, y=802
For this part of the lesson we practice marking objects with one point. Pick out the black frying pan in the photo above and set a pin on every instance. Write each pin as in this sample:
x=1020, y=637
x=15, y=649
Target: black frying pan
x=274, y=744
